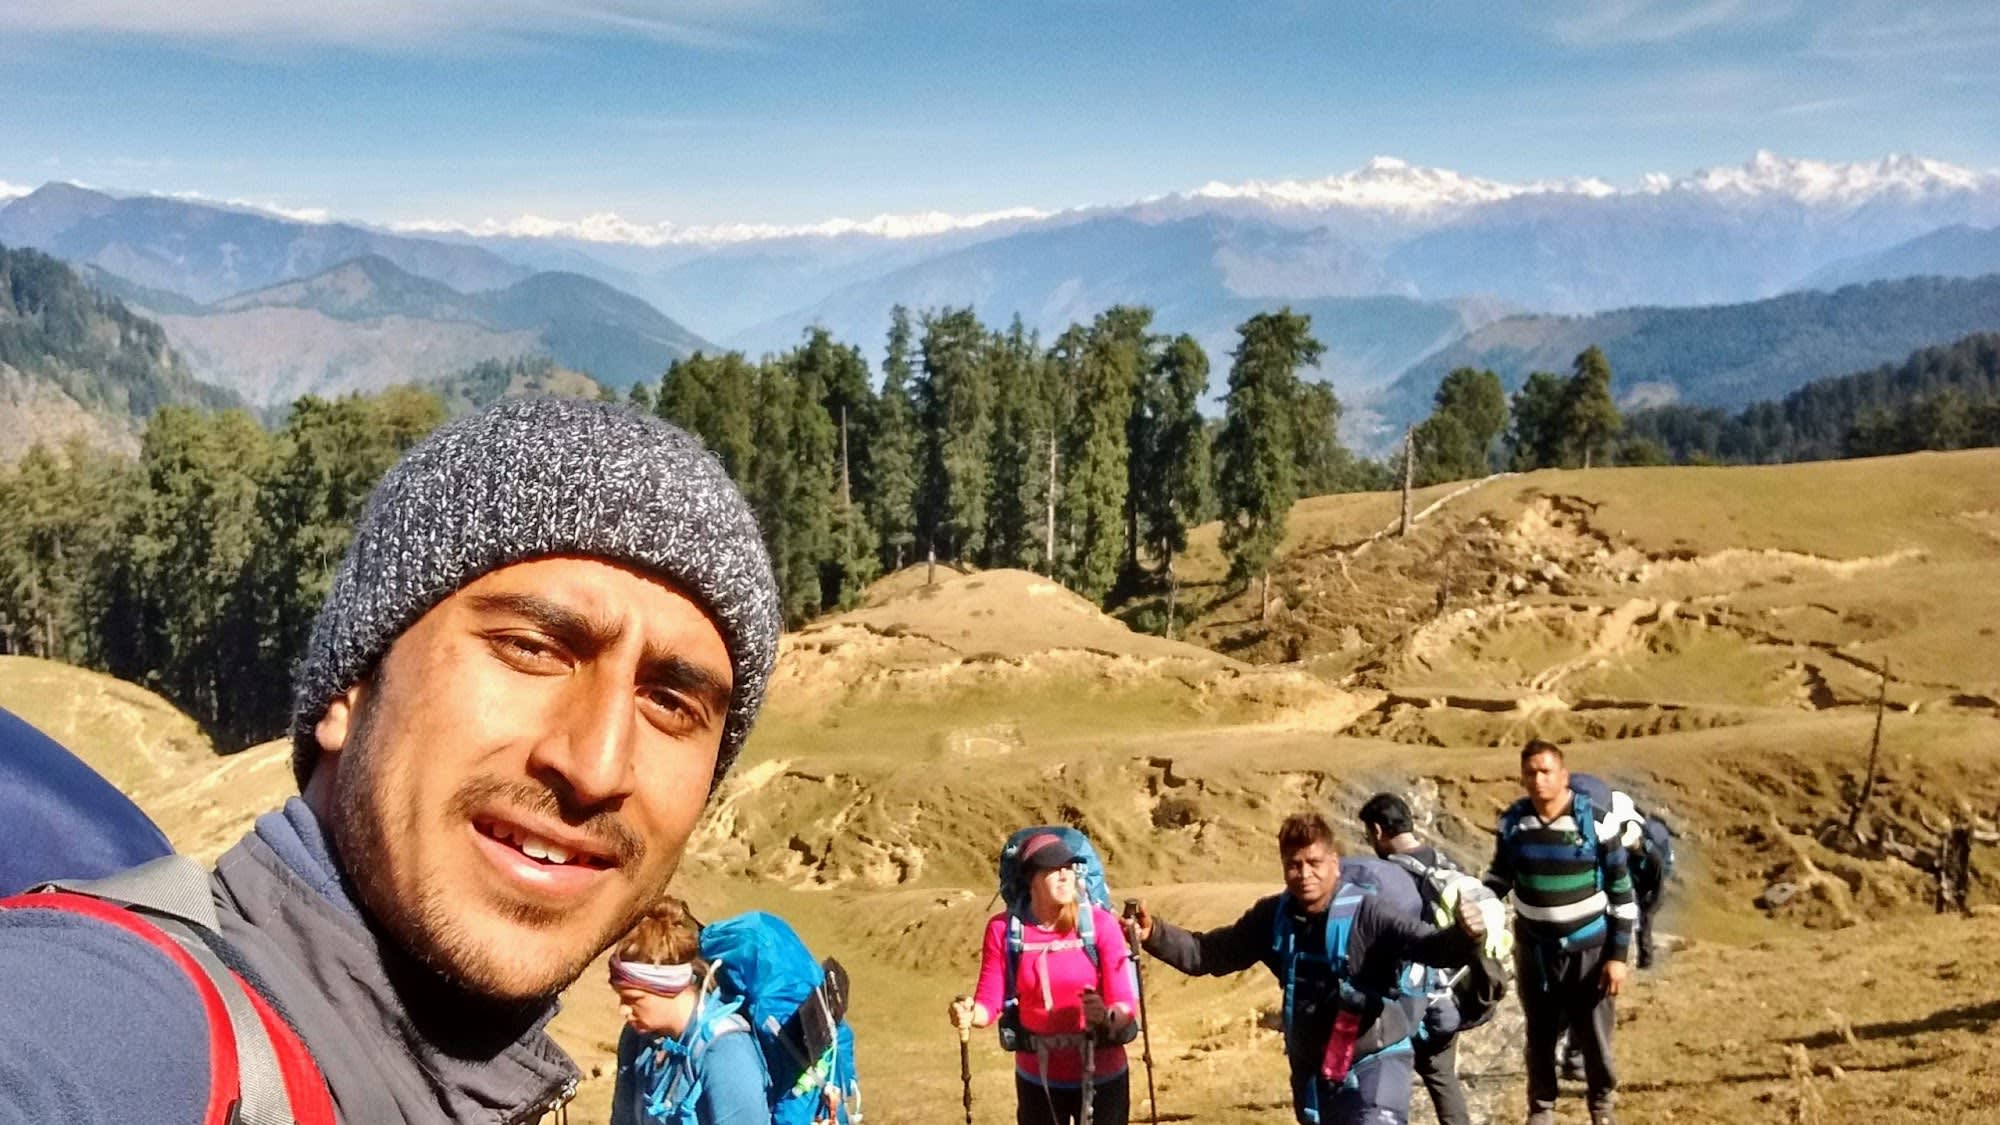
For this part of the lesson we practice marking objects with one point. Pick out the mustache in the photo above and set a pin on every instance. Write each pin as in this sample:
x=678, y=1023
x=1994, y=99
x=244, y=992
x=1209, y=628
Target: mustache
x=606, y=831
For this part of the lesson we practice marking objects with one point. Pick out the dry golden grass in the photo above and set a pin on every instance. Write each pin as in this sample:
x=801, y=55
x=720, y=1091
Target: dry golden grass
x=1708, y=642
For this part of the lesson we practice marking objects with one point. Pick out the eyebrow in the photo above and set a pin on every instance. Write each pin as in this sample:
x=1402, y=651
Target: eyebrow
x=587, y=636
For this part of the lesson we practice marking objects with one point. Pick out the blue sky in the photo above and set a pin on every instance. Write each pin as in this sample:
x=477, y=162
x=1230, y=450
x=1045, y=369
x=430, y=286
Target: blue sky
x=707, y=111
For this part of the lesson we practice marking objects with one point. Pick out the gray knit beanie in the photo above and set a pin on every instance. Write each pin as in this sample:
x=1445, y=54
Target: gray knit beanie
x=532, y=477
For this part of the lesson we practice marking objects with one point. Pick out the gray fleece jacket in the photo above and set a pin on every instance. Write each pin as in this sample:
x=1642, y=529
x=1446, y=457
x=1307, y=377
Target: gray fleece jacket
x=116, y=1035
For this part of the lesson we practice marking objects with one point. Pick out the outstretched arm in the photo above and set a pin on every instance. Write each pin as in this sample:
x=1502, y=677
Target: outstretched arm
x=1213, y=953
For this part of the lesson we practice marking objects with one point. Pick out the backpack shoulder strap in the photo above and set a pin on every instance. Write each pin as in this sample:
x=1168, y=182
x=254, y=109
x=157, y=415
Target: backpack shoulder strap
x=1086, y=932
x=276, y=1081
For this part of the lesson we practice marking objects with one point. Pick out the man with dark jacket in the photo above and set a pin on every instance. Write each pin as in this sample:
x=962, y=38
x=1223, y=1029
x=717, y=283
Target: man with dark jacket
x=1392, y=833
x=1340, y=956
x=1574, y=914
x=543, y=648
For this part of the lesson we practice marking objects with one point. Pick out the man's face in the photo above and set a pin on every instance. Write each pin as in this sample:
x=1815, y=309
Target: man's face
x=516, y=781
x=1311, y=873
x=1545, y=778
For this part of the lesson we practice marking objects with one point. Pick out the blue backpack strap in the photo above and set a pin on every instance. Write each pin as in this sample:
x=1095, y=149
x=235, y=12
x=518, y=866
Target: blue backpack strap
x=1086, y=932
x=1580, y=810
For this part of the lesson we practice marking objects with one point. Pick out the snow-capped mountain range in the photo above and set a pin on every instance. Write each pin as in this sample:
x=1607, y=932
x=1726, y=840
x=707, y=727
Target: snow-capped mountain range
x=1385, y=186
x=1394, y=261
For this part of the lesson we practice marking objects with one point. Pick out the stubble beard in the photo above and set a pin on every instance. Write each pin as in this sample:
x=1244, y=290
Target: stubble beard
x=365, y=831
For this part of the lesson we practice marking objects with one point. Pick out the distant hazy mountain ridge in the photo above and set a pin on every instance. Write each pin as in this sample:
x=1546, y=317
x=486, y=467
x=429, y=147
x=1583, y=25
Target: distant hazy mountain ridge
x=76, y=362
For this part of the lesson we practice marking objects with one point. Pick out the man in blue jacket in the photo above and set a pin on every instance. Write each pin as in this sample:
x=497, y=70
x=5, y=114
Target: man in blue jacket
x=543, y=648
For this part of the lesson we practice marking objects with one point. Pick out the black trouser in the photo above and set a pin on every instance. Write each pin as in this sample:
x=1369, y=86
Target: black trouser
x=1437, y=1065
x=1563, y=990
x=1036, y=1104
x=1646, y=887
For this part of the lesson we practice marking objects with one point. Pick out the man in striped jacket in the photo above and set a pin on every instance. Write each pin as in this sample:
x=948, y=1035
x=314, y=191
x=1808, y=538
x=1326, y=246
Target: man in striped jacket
x=1574, y=912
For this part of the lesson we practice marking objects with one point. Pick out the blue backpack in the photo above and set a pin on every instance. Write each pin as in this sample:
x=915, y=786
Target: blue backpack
x=71, y=842
x=1329, y=961
x=1014, y=882
x=63, y=821
x=796, y=1006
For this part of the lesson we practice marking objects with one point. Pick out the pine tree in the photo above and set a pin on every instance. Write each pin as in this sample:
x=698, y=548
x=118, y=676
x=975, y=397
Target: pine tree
x=1095, y=448
x=893, y=451
x=1590, y=415
x=1175, y=493
x=1255, y=451
x=714, y=398
x=1540, y=437
x=955, y=403
x=1322, y=461
x=1014, y=510
x=847, y=403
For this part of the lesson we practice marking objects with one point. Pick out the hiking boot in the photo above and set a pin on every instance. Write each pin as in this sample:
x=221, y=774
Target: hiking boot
x=1542, y=1117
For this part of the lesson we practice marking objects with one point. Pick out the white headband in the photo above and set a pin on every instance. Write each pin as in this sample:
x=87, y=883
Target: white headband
x=667, y=980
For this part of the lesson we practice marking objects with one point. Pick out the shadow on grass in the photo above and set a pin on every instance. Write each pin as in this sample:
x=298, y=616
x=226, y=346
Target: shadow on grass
x=1972, y=1017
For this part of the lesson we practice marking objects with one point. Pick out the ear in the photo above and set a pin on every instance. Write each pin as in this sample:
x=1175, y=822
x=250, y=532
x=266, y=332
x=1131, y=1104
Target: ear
x=334, y=727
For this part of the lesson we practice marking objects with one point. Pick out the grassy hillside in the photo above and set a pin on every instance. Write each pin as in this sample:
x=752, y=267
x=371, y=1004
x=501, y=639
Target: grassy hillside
x=1709, y=638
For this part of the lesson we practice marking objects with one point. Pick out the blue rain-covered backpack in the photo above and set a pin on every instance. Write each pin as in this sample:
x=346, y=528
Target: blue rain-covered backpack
x=62, y=820
x=71, y=842
x=796, y=1006
x=1014, y=880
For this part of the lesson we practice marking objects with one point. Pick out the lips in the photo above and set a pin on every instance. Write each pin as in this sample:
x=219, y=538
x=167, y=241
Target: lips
x=540, y=862
x=540, y=847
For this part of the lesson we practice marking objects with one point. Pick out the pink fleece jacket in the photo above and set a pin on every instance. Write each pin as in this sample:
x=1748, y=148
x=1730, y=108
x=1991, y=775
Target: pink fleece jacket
x=1054, y=972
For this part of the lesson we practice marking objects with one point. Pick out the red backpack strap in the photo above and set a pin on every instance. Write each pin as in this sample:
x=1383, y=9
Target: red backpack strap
x=272, y=1079
x=223, y=1077
x=305, y=1087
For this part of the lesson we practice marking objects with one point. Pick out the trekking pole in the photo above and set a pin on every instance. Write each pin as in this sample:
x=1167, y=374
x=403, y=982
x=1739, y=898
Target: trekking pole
x=1145, y=1025
x=965, y=1062
x=1089, y=1065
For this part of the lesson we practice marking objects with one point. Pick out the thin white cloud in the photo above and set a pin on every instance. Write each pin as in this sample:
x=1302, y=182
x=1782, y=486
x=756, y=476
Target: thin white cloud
x=1608, y=23
x=399, y=24
x=13, y=191
x=609, y=227
x=1880, y=31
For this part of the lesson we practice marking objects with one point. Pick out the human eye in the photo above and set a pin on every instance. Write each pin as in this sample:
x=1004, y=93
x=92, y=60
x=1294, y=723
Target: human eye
x=528, y=652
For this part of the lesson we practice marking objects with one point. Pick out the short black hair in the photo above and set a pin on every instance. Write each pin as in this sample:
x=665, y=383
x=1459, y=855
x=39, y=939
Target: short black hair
x=1389, y=813
x=1540, y=746
x=1302, y=830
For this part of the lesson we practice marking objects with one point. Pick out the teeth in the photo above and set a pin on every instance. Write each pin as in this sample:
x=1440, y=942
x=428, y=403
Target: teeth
x=540, y=849
x=534, y=847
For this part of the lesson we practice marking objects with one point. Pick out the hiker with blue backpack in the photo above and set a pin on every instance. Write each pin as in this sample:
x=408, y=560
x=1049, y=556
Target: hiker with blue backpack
x=1649, y=856
x=686, y=1057
x=1056, y=975
x=1559, y=853
x=1454, y=1001
x=542, y=650
x=730, y=1022
x=1341, y=957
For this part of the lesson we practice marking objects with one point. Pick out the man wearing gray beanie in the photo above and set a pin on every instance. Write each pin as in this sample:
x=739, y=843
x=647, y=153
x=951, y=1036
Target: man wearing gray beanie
x=543, y=649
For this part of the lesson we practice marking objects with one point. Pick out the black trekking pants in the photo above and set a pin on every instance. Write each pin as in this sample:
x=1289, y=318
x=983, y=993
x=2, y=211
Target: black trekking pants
x=1563, y=990
x=1036, y=1104
x=1437, y=1065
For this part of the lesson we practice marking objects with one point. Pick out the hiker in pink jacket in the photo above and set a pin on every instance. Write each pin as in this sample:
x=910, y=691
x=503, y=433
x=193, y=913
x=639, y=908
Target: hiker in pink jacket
x=1058, y=991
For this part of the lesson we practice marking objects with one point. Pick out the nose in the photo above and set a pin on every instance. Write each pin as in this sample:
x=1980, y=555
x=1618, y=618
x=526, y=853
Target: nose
x=586, y=756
